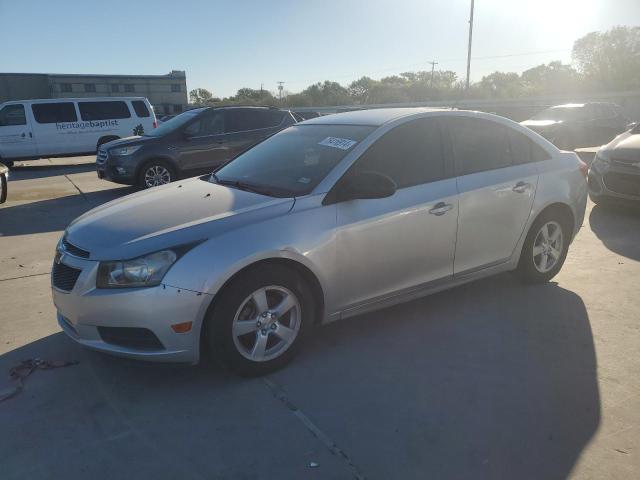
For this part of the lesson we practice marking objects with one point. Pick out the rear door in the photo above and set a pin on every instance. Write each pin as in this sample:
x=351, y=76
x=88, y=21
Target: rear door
x=496, y=187
x=16, y=136
x=57, y=128
x=248, y=126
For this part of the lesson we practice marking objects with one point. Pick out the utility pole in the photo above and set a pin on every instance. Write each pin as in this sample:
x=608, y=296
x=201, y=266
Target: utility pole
x=470, y=38
x=280, y=88
x=433, y=64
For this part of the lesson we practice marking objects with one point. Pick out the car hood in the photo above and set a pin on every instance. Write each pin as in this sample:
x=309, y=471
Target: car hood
x=624, y=148
x=162, y=217
x=536, y=124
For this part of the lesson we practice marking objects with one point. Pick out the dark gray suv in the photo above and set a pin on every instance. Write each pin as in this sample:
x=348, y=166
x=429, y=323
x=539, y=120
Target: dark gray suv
x=194, y=142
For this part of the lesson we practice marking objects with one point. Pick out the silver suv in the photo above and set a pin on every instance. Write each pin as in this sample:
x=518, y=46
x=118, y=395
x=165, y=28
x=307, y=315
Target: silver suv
x=329, y=218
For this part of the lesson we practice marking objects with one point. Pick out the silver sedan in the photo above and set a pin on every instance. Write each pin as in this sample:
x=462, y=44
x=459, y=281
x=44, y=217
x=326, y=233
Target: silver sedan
x=330, y=218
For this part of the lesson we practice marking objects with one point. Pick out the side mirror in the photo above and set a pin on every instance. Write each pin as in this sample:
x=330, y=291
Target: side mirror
x=365, y=185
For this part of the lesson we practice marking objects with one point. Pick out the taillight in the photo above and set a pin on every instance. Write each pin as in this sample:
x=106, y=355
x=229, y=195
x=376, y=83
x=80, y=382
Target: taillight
x=584, y=169
x=155, y=124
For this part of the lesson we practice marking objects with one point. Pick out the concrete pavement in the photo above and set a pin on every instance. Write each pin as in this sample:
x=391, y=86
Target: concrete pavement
x=488, y=380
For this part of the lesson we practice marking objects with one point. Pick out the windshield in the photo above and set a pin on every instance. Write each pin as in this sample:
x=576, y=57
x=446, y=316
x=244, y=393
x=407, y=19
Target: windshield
x=173, y=123
x=560, y=114
x=294, y=161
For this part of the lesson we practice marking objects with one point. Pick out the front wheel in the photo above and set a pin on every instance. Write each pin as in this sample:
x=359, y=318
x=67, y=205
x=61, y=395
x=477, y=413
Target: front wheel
x=545, y=249
x=156, y=173
x=257, y=324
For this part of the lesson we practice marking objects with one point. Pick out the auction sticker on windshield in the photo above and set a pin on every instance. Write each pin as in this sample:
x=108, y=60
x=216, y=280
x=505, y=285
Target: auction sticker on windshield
x=335, y=142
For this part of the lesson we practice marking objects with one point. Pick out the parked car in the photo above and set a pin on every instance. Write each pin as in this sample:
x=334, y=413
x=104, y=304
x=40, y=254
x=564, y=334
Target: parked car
x=327, y=219
x=306, y=115
x=576, y=125
x=193, y=142
x=615, y=171
x=4, y=176
x=31, y=129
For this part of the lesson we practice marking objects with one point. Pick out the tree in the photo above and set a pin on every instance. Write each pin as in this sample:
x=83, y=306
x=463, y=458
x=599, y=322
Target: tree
x=500, y=85
x=610, y=60
x=360, y=89
x=200, y=96
x=553, y=78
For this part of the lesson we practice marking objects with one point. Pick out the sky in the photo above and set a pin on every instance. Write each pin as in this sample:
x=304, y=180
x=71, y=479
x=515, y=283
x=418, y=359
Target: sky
x=226, y=45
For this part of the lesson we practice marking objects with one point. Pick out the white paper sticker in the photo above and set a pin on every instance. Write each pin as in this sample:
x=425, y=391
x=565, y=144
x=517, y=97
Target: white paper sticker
x=335, y=142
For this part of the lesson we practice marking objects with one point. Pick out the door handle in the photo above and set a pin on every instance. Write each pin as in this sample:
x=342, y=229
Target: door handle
x=521, y=187
x=23, y=135
x=440, y=208
x=30, y=135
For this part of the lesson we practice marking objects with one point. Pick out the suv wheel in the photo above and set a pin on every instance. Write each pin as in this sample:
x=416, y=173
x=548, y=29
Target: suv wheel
x=544, y=249
x=156, y=173
x=257, y=324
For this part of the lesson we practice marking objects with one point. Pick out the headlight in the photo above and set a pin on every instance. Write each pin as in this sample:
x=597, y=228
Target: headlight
x=123, y=151
x=146, y=271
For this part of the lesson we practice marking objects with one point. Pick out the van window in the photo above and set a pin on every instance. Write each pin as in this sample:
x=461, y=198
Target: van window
x=478, y=145
x=140, y=108
x=103, y=110
x=54, y=112
x=12, y=115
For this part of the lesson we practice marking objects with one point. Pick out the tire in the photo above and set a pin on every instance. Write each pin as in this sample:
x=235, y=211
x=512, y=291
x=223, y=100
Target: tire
x=241, y=303
x=3, y=188
x=165, y=174
x=532, y=269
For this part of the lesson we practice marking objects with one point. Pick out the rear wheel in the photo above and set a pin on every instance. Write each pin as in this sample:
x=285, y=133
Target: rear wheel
x=258, y=322
x=156, y=173
x=545, y=248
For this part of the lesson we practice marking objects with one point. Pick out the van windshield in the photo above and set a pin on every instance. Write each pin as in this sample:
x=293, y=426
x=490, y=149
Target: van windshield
x=173, y=124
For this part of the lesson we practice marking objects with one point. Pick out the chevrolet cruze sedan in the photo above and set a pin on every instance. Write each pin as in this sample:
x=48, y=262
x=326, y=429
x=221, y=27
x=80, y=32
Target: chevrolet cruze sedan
x=329, y=218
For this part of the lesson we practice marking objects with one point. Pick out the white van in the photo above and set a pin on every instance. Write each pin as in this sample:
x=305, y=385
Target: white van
x=69, y=126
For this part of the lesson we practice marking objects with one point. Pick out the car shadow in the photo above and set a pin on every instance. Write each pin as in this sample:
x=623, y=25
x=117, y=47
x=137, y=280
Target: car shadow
x=488, y=380
x=53, y=214
x=44, y=170
x=618, y=227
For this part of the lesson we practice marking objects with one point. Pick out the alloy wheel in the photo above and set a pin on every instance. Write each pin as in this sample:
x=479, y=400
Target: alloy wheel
x=156, y=175
x=547, y=247
x=267, y=323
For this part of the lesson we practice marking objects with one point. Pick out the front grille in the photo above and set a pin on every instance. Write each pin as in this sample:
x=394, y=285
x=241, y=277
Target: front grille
x=130, y=337
x=64, y=277
x=101, y=158
x=73, y=250
x=623, y=184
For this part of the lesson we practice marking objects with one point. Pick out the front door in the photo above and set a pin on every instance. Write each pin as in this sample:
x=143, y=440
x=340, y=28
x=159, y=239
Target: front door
x=204, y=144
x=496, y=187
x=390, y=245
x=16, y=135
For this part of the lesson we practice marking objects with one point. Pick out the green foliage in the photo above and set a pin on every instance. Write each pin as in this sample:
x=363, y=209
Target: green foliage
x=603, y=61
x=200, y=96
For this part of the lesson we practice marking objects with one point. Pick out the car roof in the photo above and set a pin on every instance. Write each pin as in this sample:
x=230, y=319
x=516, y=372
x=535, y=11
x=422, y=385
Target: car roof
x=373, y=117
x=76, y=99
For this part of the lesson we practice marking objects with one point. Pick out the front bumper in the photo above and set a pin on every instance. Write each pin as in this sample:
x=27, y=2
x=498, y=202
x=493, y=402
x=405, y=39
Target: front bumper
x=114, y=169
x=90, y=316
x=617, y=181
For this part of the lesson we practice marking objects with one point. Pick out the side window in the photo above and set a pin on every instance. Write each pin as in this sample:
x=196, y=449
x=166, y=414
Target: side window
x=140, y=108
x=478, y=145
x=54, y=112
x=103, y=110
x=410, y=154
x=207, y=124
x=242, y=119
x=269, y=118
x=12, y=115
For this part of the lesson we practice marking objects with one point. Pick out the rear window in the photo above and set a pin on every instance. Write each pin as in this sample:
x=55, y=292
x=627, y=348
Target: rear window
x=54, y=112
x=140, y=108
x=103, y=110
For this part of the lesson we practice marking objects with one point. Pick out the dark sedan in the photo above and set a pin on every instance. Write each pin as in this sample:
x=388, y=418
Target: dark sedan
x=577, y=125
x=615, y=172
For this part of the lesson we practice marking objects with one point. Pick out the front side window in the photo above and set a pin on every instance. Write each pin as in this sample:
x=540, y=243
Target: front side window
x=11, y=115
x=174, y=124
x=410, y=154
x=478, y=145
x=54, y=112
x=103, y=110
x=210, y=123
x=294, y=161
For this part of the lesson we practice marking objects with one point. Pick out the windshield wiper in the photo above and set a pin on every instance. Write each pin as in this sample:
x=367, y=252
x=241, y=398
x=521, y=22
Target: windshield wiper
x=250, y=187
